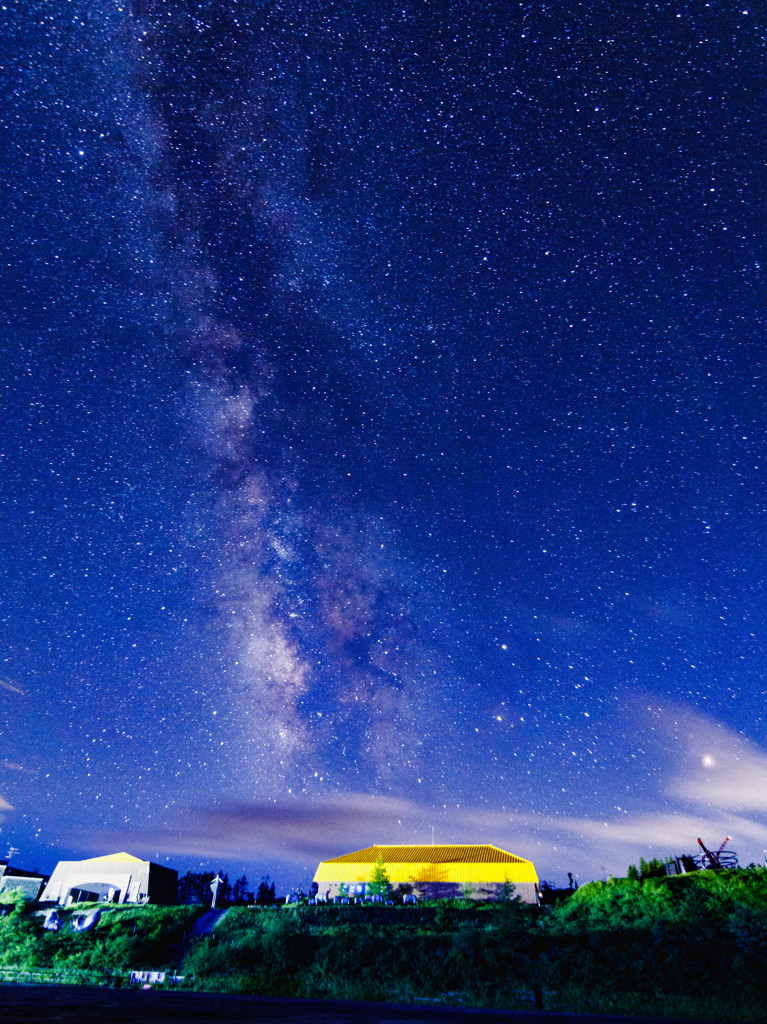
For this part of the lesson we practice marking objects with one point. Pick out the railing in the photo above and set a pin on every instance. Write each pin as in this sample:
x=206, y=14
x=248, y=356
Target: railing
x=723, y=859
x=102, y=979
x=62, y=976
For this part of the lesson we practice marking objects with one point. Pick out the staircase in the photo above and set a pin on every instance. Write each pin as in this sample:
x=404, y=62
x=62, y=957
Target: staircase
x=203, y=926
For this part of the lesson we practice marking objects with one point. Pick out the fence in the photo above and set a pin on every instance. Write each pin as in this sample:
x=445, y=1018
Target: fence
x=51, y=976
x=101, y=979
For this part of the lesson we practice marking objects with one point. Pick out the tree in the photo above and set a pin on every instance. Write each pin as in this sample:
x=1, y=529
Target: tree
x=379, y=883
x=225, y=891
x=240, y=892
x=194, y=887
x=507, y=893
x=265, y=893
x=651, y=868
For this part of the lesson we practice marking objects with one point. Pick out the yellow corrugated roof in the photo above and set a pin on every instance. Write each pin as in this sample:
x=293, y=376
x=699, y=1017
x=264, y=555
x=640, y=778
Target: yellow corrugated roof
x=113, y=857
x=469, y=853
x=475, y=863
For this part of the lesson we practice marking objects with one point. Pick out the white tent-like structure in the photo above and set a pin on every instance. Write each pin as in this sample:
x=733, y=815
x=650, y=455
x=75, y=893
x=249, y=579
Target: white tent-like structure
x=115, y=878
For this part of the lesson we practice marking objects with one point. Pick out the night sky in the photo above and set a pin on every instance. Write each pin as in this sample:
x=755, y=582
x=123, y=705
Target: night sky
x=383, y=435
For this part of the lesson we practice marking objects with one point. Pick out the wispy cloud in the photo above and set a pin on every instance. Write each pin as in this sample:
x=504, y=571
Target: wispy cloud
x=719, y=769
x=309, y=830
x=713, y=785
x=296, y=829
x=11, y=687
x=22, y=769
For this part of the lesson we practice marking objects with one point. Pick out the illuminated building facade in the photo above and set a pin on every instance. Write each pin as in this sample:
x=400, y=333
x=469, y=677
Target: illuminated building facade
x=480, y=871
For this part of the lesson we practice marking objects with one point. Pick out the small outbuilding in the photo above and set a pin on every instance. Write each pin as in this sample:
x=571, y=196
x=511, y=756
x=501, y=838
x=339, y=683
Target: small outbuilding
x=479, y=871
x=115, y=878
x=16, y=880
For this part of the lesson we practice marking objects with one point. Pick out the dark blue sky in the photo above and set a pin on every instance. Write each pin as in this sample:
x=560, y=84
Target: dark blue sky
x=384, y=430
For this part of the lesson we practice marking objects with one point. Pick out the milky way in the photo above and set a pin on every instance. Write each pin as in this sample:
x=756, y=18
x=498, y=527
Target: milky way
x=384, y=435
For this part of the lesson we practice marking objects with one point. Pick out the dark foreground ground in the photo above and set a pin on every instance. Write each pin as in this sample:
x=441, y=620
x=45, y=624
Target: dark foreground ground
x=33, y=1003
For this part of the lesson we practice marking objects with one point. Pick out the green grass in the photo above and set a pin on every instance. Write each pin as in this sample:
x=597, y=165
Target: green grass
x=126, y=938
x=692, y=946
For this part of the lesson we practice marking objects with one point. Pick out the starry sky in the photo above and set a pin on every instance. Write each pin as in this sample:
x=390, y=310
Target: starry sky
x=383, y=437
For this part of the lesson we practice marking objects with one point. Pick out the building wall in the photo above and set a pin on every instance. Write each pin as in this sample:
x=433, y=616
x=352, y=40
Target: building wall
x=132, y=881
x=526, y=891
x=28, y=885
x=163, y=884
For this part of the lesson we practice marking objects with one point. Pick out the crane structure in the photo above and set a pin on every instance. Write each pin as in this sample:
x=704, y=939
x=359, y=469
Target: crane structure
x=718, y=860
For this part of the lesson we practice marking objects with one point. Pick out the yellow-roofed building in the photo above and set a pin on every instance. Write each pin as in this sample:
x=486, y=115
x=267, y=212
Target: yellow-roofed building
x=481, y=871
x=115, y=878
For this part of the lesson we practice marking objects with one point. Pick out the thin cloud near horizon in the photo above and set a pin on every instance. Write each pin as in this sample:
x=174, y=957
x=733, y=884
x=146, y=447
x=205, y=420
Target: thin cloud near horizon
x=711, y=767
x=310, y=831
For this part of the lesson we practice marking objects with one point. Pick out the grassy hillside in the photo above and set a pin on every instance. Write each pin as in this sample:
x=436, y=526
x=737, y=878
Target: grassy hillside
x=126, y=938
x=695, y=945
